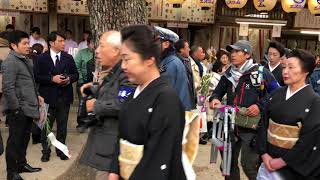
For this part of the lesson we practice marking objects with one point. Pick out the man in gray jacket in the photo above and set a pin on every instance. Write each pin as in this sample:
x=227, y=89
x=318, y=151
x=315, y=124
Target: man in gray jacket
x=99, y=152
x=21, y=103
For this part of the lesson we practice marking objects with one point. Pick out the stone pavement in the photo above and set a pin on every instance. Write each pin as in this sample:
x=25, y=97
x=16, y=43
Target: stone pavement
x=56, y=169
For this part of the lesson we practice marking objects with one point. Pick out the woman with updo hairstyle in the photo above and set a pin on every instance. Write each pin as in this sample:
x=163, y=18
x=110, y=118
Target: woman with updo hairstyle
x=288, y=137
x=152, y=119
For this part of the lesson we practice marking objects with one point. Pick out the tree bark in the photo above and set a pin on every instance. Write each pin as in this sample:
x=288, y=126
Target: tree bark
x=115, y=14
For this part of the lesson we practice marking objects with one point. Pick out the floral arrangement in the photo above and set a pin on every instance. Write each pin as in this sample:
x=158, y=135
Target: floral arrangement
x=205, y=84
x=43, y=122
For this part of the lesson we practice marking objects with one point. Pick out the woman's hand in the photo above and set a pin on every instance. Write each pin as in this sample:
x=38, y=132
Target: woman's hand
x=277, y=163
x=266, y=160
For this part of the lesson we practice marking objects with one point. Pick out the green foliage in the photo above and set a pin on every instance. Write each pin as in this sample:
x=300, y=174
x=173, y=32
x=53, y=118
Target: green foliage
x=205, y=83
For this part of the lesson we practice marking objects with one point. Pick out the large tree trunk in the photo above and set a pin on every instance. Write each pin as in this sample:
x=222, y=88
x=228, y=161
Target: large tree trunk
x=115, y=14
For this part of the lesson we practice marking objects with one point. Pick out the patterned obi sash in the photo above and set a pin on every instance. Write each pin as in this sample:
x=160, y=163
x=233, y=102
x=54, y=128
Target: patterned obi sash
x=284, y=136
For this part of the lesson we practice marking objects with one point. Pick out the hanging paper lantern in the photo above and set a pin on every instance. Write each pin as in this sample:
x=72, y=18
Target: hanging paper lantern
x=206, y=3
x=264, y=5
x=293, y=5
x=176, y=1
x=314, y=6
x=236, y=3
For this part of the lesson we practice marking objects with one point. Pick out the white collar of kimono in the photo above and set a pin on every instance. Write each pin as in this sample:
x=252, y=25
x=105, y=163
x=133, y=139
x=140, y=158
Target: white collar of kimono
x=138, y=90
x=289, y=94
x=273, y=68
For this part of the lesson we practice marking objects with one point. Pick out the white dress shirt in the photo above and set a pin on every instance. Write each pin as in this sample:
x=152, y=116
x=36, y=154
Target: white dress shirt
x=41, y=41
x=54, y=56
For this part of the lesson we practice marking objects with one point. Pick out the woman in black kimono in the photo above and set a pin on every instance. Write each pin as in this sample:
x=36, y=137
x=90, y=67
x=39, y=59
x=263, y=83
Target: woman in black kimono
x=153, y=116
x=289, y=134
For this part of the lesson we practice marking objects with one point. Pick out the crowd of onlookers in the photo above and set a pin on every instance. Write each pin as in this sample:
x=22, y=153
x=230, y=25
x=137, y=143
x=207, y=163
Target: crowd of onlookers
x=148, y=78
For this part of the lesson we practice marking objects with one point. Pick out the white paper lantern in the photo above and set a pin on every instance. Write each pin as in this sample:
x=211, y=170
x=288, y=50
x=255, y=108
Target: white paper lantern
x=236, y=3
x=264, y=5
x=293, y=5
x=314, y=6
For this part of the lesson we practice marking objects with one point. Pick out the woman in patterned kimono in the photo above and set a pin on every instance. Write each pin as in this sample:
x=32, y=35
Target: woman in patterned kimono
x=288, y=137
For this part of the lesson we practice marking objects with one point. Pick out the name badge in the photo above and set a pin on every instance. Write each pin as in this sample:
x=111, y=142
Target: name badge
x=125, y=92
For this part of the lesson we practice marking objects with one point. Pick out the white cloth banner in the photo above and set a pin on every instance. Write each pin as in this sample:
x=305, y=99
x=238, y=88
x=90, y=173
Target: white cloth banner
x=59, y=145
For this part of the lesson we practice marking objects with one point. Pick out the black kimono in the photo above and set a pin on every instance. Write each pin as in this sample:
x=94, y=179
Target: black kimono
x=303, y=160
x=155, y=119
x=277, y=73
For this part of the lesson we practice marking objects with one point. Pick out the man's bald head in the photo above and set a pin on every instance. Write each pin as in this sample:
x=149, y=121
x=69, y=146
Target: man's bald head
x=108, y=50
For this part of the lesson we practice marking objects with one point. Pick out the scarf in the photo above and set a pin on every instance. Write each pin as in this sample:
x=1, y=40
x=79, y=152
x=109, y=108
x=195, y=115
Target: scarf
x=198, y=63
x=236, y=73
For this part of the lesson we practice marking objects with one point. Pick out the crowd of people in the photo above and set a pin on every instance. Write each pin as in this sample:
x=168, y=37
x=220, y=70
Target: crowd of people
x=148, y=78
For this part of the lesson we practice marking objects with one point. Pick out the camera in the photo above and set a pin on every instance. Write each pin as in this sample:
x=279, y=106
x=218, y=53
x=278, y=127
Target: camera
x=87, y=119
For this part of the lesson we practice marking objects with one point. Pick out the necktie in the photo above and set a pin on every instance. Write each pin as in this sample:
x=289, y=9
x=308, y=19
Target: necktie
x=57, y=60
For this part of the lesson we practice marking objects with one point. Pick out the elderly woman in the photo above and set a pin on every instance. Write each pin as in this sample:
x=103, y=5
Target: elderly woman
x=288, y=138
x=153, y=117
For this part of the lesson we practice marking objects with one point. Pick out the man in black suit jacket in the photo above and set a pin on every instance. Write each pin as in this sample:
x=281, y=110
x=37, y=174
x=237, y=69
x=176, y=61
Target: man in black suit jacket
x=55, y=71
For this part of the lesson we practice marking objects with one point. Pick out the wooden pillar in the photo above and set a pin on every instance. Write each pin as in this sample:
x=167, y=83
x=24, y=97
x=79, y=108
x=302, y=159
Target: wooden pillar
x=53, y=15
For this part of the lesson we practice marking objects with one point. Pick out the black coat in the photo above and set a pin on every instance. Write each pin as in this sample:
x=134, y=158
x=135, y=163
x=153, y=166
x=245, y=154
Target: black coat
x=100, y=148
x=303, y=160
x=155, y=119
x=44, y=70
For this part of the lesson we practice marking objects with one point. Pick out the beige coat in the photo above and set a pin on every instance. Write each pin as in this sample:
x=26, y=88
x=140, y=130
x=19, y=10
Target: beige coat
x=196, y=76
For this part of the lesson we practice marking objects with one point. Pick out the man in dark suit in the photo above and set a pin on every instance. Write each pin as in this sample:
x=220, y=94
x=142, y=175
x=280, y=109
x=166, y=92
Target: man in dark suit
x=55, y=71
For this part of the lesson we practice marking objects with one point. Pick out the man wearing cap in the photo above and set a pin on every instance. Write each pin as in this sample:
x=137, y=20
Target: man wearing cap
x=173, y=68
x=244, y=87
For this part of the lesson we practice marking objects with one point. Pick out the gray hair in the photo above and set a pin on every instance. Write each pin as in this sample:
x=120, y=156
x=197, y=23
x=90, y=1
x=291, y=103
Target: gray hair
x=113, y=38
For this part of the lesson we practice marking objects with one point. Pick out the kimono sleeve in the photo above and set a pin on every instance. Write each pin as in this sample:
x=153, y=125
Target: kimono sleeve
x=262, y=130
x=304, y=157
x=162, y=150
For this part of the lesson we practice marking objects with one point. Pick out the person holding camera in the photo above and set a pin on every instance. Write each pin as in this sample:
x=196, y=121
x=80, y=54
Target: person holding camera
x=99, y=151
x=55, y=71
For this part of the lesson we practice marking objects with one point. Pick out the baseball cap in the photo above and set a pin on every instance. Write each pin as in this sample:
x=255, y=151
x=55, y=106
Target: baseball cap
x=241, y=45
x=166, y=34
